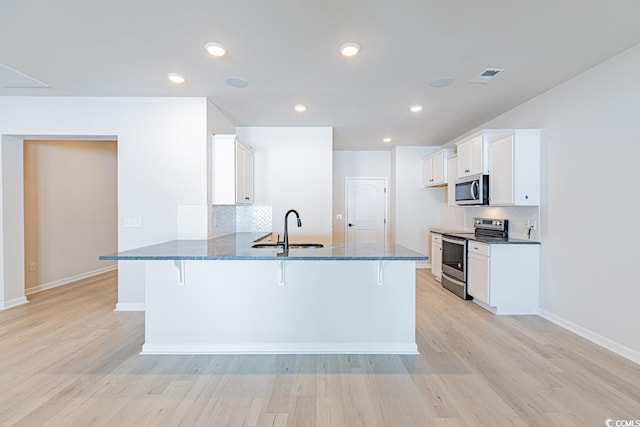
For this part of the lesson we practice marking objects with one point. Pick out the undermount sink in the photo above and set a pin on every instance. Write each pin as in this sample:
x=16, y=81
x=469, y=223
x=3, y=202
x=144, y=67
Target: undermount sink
x=291, y=245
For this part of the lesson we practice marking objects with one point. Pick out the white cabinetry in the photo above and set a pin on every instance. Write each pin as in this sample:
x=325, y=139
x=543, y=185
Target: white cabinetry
x=231, y=171
x=436, y=255
x=504, y=278
x=244, y=174
x=514, y=168
x=472, y=153
x=478, y=271
x=435, y=168
x=452, y=165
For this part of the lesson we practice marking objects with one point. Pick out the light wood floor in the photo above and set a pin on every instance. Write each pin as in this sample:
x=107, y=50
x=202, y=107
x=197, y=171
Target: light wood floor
x=67, y=359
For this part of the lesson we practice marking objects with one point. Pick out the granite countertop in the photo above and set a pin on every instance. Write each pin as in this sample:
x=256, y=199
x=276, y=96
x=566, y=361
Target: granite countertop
x=237, y=246
x=468, y=235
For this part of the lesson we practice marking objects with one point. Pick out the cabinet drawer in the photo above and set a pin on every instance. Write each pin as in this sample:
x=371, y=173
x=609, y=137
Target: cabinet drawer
x=478, y=248
x=436, y=238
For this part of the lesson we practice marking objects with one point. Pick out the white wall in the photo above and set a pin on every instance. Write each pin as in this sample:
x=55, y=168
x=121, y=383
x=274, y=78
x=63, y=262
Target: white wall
x=293, y=170
x=217, y=122
x=71, y=210
x=417, y=209
x=11, y=223
x=355, y=164
x=589, y=279
x=162, y=152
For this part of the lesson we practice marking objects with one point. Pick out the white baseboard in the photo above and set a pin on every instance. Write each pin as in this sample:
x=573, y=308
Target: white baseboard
x=423, y=264
x=281, y=348
x=129, y=306
x=67, y=280
x=611, y=345
x=13, y=303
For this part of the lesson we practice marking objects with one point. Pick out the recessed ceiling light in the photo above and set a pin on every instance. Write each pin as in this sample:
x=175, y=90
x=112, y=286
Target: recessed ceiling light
x=238, y=82
x=176, y=78
x=386, y=140
x=300, y=108
x=215, y=49
x=441, y=81
x=416, y=108
x=349, y=49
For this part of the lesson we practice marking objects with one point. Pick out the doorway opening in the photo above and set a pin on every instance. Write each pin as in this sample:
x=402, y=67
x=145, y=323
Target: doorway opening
x=70, y=210
x=14, y=262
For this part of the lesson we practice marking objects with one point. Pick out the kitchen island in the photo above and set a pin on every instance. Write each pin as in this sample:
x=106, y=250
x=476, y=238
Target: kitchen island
x=221, y=296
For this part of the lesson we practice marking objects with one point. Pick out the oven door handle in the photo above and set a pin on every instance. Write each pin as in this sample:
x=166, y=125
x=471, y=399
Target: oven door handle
x=454, y=241
x=454, y=280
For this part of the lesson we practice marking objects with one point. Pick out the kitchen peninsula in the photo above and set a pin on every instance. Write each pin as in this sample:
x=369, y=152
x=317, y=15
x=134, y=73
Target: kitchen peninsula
x=221, y=296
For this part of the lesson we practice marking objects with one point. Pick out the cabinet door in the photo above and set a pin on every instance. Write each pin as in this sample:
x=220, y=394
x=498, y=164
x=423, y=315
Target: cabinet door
x=464, y=153
x=475, y=156
x=501, y=171
x=438, y=168
x=240, y=173
x=248, y=177
x=428, y=171
x=436, y=255
x=478, y=277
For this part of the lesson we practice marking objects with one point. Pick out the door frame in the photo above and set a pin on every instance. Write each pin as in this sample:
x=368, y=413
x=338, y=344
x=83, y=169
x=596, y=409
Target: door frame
x=346, y=204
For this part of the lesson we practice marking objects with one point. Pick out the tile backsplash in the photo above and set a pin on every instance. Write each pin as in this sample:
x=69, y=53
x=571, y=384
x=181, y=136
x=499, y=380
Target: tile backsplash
x=222, y=220
x=254, y=218
x=225, y=220
x=517, y=216
x=461, y=218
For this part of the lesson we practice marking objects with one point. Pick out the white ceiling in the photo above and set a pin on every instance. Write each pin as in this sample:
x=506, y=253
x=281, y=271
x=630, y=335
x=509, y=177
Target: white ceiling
x=288, y=52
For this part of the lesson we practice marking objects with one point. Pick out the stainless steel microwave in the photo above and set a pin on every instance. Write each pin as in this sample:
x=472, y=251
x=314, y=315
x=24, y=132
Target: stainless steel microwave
x=472, y=190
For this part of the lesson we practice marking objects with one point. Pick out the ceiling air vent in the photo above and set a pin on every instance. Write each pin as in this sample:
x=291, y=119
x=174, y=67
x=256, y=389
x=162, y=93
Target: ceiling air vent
x=14, y=78
x=486, y=76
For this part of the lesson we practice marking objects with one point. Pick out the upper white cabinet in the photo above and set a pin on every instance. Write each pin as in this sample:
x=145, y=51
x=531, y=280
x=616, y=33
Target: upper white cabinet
x=435, y=168
x=514, y=168
x=231, y=171
x=244, y=174
x=472, y=152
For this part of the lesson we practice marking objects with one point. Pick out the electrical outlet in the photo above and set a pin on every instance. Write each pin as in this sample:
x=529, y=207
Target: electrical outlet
x=32, y=266
x=133, y=221
x=339, y=216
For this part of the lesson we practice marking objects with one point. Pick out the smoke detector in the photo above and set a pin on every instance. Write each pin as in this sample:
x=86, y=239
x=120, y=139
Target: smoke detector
x=486, y=76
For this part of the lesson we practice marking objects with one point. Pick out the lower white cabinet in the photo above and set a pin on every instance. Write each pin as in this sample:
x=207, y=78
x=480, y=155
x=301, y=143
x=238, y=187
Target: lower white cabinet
x=504, y=278
x=436, y=255
x=478, y=271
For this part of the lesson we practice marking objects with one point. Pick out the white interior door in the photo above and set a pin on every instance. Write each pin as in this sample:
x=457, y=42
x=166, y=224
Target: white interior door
x=366, y=210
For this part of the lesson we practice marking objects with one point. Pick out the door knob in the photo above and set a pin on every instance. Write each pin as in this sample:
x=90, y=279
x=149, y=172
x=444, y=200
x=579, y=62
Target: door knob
x=350, y=225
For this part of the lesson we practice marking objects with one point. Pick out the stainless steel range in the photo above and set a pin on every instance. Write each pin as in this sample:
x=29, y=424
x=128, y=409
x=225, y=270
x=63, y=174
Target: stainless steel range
x=454, y=252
